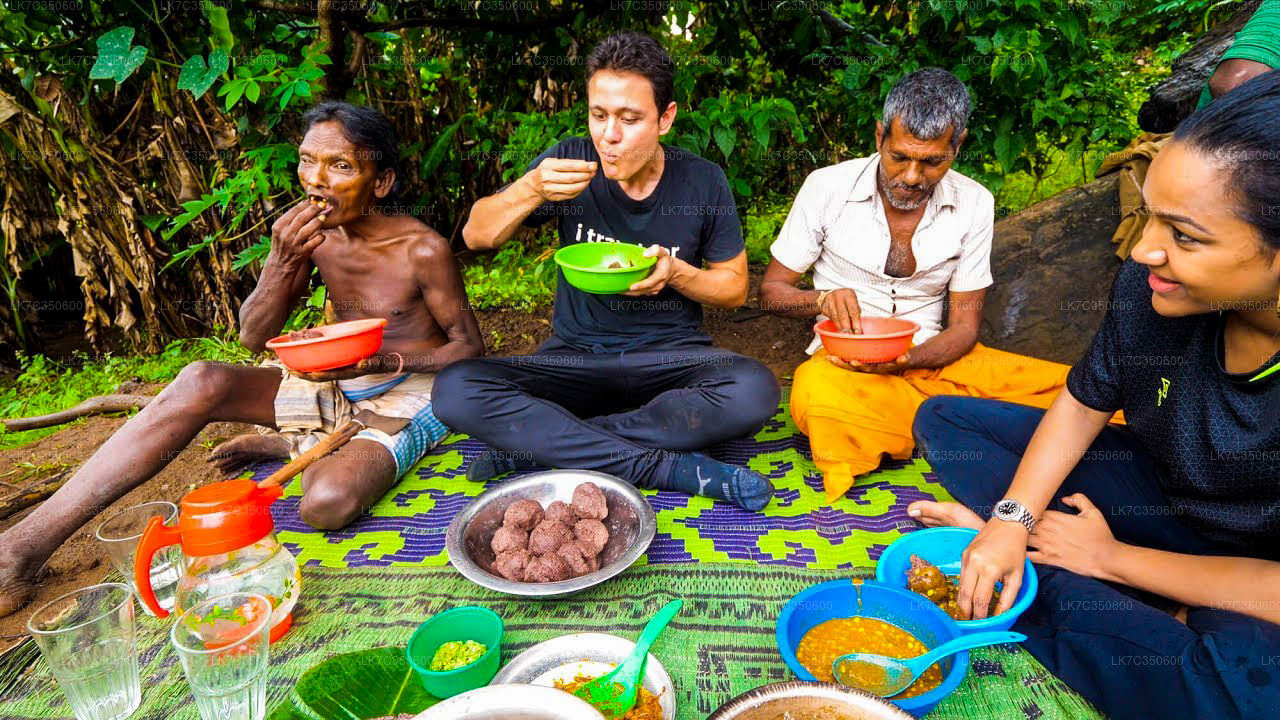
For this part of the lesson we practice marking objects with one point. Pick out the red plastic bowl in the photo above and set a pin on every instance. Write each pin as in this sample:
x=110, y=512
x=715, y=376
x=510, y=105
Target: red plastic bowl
x=340, y=345
x=882, y=339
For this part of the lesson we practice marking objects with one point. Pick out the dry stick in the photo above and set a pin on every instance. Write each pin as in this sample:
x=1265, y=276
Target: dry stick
x=93, y=406
x=330, y=443
x=32, y=495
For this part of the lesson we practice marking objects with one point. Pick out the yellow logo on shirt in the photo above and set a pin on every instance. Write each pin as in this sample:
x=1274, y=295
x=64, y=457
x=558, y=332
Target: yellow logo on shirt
x=1163, y=392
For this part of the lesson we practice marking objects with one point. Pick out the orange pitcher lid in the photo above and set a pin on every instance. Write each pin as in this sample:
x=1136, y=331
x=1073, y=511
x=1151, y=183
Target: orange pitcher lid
x=225, y=516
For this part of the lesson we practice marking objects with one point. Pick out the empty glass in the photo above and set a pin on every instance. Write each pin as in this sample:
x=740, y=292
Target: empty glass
x=119, y=535
x=87, y=638
x=223, y=645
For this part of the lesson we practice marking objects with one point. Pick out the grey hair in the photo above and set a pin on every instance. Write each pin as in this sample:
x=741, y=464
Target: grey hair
x=928, y=102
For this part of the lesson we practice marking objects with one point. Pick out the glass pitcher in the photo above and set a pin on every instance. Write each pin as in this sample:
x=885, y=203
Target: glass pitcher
x=228, y=545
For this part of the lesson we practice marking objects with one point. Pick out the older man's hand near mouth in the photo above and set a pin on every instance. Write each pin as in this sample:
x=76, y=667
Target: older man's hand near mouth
x=296, y=234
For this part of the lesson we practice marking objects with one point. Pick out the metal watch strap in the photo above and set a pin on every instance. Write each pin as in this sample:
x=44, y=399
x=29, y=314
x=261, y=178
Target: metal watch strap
x=1024, y=516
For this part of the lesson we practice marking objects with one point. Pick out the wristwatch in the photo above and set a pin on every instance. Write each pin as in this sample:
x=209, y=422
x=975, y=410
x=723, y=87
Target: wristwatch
x=1013, y=511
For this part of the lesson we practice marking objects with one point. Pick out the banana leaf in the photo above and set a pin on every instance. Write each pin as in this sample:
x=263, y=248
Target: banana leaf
x=356, y=686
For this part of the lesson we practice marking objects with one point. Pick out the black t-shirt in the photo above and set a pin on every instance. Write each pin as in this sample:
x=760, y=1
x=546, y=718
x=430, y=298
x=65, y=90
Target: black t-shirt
x=1214, y=435
x=691, y=213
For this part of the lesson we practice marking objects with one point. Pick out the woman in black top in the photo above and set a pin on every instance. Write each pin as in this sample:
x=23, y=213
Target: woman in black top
x=1158, y=544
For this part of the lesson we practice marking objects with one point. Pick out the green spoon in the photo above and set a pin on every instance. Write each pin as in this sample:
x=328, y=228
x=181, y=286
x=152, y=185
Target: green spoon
x=886, y=676
x=615, y=694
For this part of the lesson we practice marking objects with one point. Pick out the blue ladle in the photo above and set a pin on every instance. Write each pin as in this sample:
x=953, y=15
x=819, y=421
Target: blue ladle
x=886, y=676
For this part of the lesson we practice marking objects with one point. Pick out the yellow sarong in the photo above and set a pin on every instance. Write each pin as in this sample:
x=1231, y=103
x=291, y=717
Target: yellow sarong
x=852, y=418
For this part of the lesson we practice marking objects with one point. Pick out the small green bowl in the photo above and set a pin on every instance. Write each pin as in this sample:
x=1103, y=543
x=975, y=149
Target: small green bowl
x=586, y=266
x=459, y=624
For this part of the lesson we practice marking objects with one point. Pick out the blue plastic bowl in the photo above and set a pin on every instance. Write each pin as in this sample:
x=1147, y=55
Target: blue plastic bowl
x=907, y=610
x=943, y=547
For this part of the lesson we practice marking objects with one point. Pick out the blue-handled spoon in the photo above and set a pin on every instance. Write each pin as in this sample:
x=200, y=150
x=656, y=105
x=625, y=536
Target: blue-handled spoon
x=886, y=676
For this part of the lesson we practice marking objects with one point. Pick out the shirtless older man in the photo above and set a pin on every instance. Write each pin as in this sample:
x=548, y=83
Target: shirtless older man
x=374, y=265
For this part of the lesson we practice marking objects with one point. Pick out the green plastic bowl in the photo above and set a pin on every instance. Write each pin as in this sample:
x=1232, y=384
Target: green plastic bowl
x=586, y=266
x=460, y=624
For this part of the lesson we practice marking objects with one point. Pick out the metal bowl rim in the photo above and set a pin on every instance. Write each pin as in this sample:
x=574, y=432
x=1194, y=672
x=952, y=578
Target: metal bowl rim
x=756, y=697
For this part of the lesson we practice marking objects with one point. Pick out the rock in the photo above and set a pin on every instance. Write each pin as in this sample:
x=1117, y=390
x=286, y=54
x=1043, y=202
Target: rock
x=1053, y=264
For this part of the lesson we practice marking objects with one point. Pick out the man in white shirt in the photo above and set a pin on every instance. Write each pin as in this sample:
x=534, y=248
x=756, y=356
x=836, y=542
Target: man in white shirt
x=896, y=234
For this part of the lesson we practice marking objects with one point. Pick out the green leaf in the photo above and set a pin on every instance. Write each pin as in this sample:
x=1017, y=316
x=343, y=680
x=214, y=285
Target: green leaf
x=234, y=90
x=222, y=38
x=317, y=298
x=198, y=76
x=360, y=685
x=118, y=58
x=1003, y=144
x=252, y=254
x=441, y=146
x=726, y=138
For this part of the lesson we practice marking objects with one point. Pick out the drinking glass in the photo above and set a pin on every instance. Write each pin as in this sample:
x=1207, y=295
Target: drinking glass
x=87, y=638
x=223, y=645
x=119, y=535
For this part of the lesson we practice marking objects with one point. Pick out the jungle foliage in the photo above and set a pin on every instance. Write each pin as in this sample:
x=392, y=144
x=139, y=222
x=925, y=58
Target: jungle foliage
x=147, y=145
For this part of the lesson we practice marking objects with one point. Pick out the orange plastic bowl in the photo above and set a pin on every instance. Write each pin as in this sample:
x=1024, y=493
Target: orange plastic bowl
x=339, y=345
x=882, y=339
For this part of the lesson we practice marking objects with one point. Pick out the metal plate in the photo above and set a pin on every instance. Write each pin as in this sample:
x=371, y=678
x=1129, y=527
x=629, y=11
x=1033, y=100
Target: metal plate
x=592, y=654
x=828, y=701
x=631, y=523
x=512, y=702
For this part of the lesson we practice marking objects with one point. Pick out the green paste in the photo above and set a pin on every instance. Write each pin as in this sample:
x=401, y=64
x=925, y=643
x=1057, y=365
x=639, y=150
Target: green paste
x=456, y=654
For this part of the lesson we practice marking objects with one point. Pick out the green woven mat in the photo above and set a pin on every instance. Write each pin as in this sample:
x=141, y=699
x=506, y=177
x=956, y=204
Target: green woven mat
x=722, y=644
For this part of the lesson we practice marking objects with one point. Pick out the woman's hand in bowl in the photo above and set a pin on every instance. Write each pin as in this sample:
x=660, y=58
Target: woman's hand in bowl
x=997, y=555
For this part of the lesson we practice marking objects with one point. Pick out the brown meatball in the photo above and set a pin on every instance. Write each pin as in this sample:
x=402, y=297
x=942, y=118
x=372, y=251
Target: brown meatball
x=589, y=502
x=548, y=537
x=511, y=564
x=592, y=534
x=593, y=560
x=574, y=555
x=523, y=514
x=546, y=568
x=561, y=512
x=508, y=538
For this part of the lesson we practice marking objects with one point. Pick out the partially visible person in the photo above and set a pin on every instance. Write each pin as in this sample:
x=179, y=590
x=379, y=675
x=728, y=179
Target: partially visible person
x=1157, y=546
x=374, y=265
x=1254, y=51
x=628, y=384
x=896, y=234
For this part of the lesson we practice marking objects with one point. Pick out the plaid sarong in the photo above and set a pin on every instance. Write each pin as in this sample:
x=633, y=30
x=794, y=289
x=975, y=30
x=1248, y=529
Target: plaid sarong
x=306, y=411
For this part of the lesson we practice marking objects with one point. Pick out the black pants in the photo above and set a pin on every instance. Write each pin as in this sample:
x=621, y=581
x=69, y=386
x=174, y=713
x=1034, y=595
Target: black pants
x=619, y=413
x=1118, y=647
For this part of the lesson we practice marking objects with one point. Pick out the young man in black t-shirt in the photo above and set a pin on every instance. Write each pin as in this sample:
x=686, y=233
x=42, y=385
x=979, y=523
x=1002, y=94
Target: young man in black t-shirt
x=628, y=384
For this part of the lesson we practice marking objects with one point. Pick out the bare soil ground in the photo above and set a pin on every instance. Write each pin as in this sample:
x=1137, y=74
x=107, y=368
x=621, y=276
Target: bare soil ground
x=777, y=342
x=80, y=562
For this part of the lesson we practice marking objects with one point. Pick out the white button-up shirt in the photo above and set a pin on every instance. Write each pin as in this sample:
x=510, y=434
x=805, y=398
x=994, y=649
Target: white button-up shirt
x=837, y=226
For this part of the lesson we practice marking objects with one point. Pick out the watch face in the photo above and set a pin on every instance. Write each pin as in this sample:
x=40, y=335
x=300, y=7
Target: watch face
x=1006, y=508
